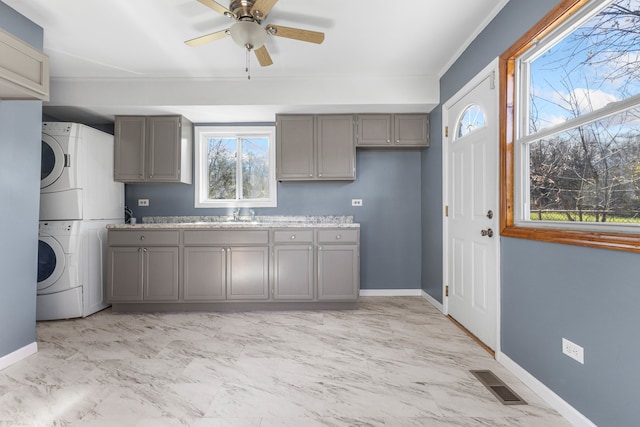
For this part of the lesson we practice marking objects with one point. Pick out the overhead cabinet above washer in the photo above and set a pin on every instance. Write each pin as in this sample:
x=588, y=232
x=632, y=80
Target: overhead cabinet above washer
x=393, y=130
x=153, y=149
x=24, y=71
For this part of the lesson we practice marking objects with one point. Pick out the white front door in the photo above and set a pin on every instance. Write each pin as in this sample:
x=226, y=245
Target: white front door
x=471, y=194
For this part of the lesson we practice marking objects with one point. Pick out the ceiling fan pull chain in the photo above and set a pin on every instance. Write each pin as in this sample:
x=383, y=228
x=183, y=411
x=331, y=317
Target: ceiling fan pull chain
x=248, y=64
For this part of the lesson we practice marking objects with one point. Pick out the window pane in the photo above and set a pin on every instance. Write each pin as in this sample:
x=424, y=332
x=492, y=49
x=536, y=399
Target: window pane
x=255, y=168
x=472, y=119
x=589, y=174
x=594, y=65
x=221, y=161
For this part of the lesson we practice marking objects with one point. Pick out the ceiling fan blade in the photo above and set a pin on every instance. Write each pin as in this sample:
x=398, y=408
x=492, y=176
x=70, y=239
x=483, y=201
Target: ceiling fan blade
x=263, y=56
x=295, y=33
x=218, y=8
x=262, y=8
x=198, y=41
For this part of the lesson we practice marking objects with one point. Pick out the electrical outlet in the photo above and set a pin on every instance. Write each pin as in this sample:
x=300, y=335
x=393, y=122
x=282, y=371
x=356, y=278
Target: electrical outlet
x=356, y=202
x=573, y=350
x=143, y=202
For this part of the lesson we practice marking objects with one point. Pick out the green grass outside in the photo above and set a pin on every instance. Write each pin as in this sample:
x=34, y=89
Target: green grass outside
x=553, y=216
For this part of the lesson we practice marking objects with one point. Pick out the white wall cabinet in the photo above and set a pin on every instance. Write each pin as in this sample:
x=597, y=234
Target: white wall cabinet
x=153, y=149
x=24, y=70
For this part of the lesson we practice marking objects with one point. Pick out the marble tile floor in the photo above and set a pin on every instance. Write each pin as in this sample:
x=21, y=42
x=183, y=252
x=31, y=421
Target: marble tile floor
x=394, y=362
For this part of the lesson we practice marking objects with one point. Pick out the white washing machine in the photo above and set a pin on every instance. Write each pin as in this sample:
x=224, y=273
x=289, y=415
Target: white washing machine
x=76, y=178
x=71, y=260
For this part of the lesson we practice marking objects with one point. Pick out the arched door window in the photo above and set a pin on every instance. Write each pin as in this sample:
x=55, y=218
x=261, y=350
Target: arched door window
x=471, y=119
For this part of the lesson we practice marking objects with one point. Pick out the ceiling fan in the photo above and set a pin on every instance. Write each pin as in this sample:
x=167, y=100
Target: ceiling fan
x=248, y=31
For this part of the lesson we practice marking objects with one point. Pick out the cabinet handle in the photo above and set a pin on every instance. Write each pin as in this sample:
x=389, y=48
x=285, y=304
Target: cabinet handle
x=388, y=141
x=144, y=250
x=139, y=249
x=141, y=237
x=339, y=236
x=293, y=237
x=397, y=141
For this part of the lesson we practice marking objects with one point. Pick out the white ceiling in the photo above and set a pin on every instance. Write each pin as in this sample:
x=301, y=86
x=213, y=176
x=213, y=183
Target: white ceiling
x=128, y=57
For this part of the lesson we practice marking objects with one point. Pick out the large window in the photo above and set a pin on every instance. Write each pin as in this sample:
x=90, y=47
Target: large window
x=571, y=126
x=235, y=167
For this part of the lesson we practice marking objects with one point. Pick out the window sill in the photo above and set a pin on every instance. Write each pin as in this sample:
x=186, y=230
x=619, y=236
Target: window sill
x=593, y=239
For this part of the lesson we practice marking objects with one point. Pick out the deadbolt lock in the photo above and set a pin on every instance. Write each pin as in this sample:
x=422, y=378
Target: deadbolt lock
x=490, y=214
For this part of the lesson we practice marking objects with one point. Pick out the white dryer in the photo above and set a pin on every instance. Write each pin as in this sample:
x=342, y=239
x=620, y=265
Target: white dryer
x=76, y=178
x=71, y=259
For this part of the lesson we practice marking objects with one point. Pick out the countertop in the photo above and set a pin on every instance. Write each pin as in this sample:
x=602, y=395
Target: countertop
x=264, y=222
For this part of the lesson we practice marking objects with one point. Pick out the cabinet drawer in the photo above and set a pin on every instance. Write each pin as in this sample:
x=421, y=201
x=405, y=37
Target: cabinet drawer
x=226, y=237
x=144, y=237
x=293, y=236
x=334, y=236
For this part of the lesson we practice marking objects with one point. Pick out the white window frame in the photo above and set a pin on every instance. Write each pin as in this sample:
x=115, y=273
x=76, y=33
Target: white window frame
x=521, y=126
x=201, y=191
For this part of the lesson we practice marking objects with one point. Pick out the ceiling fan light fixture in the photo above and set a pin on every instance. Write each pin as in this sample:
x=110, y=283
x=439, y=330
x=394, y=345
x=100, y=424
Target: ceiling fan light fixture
x=248, y=34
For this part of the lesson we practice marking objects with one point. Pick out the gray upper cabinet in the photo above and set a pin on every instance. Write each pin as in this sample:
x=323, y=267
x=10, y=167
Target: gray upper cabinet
x=315, y=147
x=393, y=130
x=153, y=149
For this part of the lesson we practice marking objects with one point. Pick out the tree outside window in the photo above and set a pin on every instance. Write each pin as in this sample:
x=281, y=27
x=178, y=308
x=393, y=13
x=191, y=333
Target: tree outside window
x=579, y=125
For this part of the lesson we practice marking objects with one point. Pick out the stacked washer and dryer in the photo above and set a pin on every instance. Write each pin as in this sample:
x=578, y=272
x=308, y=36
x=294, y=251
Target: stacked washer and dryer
x=78, y=198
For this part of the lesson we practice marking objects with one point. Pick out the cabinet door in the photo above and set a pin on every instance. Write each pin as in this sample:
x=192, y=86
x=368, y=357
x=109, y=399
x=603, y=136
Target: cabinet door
x=338, y=273
x=130, y=141
x=293, y=272
x=160, y=273
x=294, y=148
x=248, y=277
x=163, y=151
x=374, y=130
x=205, y=274
x=336, y=150
x=411, y=129
x=124, y=277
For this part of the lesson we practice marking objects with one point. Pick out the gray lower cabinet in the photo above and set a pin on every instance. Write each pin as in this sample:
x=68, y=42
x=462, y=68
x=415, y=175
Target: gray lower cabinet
x=143, y=274
x=338, y=265
x=248, y=277
x=143, y=266
x=293, y=256
x=232, y=266
x=205, y=274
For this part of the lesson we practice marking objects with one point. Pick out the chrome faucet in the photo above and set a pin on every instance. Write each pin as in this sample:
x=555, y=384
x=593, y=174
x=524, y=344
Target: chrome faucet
x=253, y=215
x=236, y=214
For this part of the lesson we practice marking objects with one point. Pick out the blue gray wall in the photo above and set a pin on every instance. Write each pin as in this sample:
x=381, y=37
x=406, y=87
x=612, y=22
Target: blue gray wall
x=550, y=291
x=20, y=128
x=387, y=181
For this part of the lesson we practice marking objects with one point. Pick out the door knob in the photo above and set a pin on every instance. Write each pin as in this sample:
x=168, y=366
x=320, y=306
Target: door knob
x=487, y=232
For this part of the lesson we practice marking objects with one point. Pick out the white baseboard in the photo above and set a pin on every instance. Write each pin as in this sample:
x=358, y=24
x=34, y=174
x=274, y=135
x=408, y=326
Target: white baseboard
x=390, y=292
x=18, y=355
x=570, y=413
x=437, y=304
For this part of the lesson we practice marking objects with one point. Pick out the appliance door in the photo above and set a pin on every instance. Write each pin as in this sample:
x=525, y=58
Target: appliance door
x=51, y=261
x=53, y=161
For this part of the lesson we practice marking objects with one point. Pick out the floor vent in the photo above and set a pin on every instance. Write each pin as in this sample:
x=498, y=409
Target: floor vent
x=498, y=388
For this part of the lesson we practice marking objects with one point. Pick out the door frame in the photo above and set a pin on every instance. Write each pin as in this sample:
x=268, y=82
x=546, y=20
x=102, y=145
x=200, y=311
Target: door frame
x=489, y=70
